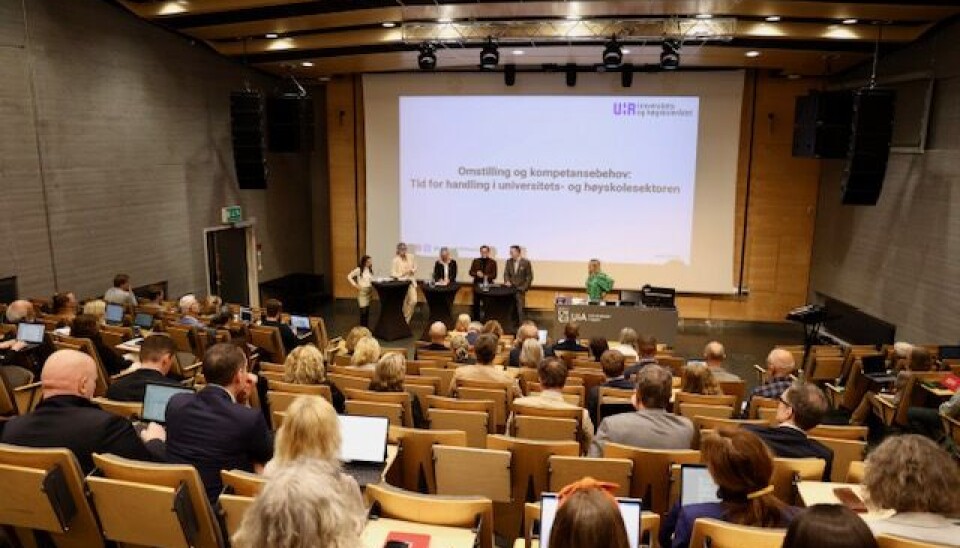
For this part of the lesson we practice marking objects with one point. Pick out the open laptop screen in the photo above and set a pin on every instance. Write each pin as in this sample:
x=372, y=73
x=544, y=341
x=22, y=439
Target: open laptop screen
x=114, y=313
x=155, y=399
x=300, y=323
x=629, y=510
x=696, y=485
x=143, y=320
x=30, y=332
x=363, y=439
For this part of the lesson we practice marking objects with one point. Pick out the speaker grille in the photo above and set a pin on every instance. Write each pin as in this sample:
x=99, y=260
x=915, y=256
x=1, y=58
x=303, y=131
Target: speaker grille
x=246, y=128
x=871, y=131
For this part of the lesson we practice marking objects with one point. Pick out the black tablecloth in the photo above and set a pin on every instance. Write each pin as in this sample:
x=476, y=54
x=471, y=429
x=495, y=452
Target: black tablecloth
x=391, y=324
x=500, y=303
x=440, y=303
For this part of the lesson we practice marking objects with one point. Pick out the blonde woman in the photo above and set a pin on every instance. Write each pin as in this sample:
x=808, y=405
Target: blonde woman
x=388, y=376
x=350, y=341
x=531, y=353
x=628, y=343
x=698, y=379
x=305, y=365
x=404, y=267
x=362, y=279
x=366, y=354
x=95, y=308
x=463, y=324
x=461, y=349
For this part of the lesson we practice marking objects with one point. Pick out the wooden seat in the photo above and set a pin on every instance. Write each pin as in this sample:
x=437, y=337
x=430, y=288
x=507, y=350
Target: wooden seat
x=651, y=471
x=267, y=339
x=702, y=399
x=185, y=338
x=566, y=470
x=239, y=482
x=539, y=423
x=402, y=399
x=839, y=432
x=673, y=363
x=352, y=371
x=347, y=382
x=422, y=391
x=855, y=472
x=499, y=392
x=713, y=423
x=691, y=410
x=445, y=375
x=124, y=409
x=737, y=389
x=844, y=453
x=573, y=393
x=787, y=472
x=588, y=378
x=112, y=335
x=391, y=502
x=234, y=507
x=487, y=469
x=28, y=396
x=86, y=346
x=294, y=388
x=471, y=416
x=270, y=366
x=611, y=401
x=272, y=375
x=825, y=368
x=759, y=402
x=417, y=471
x=721, y=534
x=392, y=411
x=892, y=541
x=25, y=473
x=149, y=491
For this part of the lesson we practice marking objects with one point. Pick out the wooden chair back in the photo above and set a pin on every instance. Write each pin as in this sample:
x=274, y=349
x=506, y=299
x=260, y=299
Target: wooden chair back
x=417, y=470
x=114, y=335
x=184, y=337
x=692, y=410
x=540, y=423
x=844, y=453
x=8, y=406
x=839, y=432
x=86, y=346
x=392, y=411
x=680, y=398
x=488, y=470
x=913, y=393
x=673, y=363
x=267, y=339
x=573, y=393
x=611, y=401
x=651, y=471
x=351, y=371
x=27, y=397
x=445, y=375
x=499, y=393
x=123, y=409
x=713, y=423
x=402, y=399
x=738, y=389
x=787, y=472
x=566, y=470
x=721, y=534
x=245, y=484
x=347, y=382
x=321, y=390
x=588, y=378
x=855, y=472
x=234, y=507
x=759, y=402
x=825, y=368
x=319, y=328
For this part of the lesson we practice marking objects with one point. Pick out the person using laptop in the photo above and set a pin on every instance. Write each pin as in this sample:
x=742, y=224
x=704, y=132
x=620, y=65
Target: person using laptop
x=157, y=353
x=588, y=516
x=67, y=418
x=274, y=310
x=918, y=359
x=120, y=293
x=27, y=355
x=214, y=430
x=527, y=330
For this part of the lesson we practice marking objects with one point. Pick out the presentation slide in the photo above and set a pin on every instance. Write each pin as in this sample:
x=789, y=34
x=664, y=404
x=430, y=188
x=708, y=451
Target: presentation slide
x=549, y=188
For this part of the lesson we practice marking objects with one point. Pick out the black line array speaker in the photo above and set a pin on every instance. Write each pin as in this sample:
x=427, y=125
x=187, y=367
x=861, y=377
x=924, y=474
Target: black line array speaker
x=246, y=127
x=289, y=124
x=872, y=130
x=821, y=127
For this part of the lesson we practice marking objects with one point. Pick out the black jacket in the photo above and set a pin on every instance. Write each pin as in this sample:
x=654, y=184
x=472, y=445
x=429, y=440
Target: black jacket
x=131, y=386
x=290, y=341
x=792, y=443
x=438, y=271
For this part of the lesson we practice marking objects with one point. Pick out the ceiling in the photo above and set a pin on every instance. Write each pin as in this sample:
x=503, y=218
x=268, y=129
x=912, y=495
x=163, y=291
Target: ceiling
x=318, y=39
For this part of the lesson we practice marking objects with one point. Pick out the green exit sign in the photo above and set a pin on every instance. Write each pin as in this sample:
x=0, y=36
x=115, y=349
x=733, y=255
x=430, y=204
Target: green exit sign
x=231, y=214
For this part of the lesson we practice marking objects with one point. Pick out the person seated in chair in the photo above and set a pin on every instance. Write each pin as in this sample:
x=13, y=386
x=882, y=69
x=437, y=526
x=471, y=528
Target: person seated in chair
x=438, y=337
x=190, y=310
x=613, y=364
x=780, y=366
x=527, y=330
x=552, y=374
x=273, y=310
x=85, y=327
x=571, y=339
x=157, y=353
x=647, y=354
x=484, y=370
x=121, y=293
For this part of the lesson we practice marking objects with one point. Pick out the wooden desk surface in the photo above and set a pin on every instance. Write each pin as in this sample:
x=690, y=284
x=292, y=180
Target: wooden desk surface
x=377, y=530
x=939, y=392
x=820, y=492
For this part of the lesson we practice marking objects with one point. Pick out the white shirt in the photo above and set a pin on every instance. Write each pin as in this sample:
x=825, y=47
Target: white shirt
x=403, y=268
x=362, y=278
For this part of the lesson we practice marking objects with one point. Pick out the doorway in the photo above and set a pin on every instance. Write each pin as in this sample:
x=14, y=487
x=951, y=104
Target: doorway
x=232, y=263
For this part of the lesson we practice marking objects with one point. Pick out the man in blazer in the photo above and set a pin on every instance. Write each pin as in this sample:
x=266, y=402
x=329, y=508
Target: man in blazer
x=213, y=430
x=67, y=418
x=483, y=268
x=801, y=408
x=445, y=269
x=518, y=274
x=651, y=426
x=157, y=353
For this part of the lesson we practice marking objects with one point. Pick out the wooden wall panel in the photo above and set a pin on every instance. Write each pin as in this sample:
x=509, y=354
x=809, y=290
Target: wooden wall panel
x=345, y=206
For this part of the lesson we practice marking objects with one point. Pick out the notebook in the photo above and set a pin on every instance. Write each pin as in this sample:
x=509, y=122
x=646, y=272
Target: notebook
x=629, y=509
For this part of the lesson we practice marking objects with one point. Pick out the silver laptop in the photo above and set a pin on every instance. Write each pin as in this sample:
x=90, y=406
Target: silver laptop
x=155, y=400
x=300, y=325
x=697, y=485
x=363, y=447
x=30, y=333
x=629, y=510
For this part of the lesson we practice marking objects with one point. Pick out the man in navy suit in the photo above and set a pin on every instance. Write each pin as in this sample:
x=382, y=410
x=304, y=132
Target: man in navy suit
x=213, y=430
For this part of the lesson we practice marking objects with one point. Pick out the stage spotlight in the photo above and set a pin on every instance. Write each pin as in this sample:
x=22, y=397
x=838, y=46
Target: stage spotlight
x=571, y=75
x=427, y=60
x=626, y=75
x=510, y=74
x=612, y=54
x=670, y=56
x=489, y=55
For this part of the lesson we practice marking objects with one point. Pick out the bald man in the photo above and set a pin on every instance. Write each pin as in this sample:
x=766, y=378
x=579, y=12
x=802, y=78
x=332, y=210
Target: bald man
x=714, y=355
x=438, y=337
x=67, y=418
x=780, y=366
x=20, y=363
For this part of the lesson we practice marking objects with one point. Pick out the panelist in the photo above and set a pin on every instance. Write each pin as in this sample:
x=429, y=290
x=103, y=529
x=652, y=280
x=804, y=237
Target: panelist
x=598, y=282
x=482, y=269
x=405, y=268
x=518, y=273
x=362, y=279
x=445, y=269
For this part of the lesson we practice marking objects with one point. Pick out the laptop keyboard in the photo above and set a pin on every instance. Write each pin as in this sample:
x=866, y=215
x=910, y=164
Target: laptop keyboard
x=364, y=473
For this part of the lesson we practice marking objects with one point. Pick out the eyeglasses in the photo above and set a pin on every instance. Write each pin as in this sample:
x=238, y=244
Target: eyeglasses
x=785, y=402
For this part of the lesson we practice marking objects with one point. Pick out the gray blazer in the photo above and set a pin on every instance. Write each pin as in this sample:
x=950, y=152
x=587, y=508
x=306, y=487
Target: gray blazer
x=519, y=273
x=646, y=428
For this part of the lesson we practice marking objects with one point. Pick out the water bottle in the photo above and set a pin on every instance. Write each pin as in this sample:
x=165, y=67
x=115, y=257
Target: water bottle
x=486, y=284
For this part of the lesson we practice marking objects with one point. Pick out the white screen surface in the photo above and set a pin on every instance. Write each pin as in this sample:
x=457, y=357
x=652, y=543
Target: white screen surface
x=114, y=313
x=155, y=400
x=30, y=332
x=697, y=486
x=660, y=208
x=363, y=439
x=300, y=322
x=629, y=509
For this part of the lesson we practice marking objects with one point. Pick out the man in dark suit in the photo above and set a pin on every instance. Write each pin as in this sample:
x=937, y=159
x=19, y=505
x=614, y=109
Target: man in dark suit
x=157, y=353
x=438, y=337
x=482, y=269
x=273, y=310
x=67, y=418
x=213, y=430
x=648, y=355
x=518, y=273
x=613, y=363
x=571, y=339
x=802, y=407
x=445, y=269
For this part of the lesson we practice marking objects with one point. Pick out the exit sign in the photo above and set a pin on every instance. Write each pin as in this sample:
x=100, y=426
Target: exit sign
x=231, y=214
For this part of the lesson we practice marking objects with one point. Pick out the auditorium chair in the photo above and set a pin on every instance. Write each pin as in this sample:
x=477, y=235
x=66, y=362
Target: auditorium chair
x=844, y=452
x=27, y=397
x=32, y=480
x=439, y=356
x=526, y=376
x=342, y=359
x=673, y=363
x=588, y=365
x=824, y=368
x=185, y=338
x=274, y=367
x=232, y=508
x=417, y=472
x=345, y=382
x=690, y=405
x=787, y=472
x=413, y=366
x=245, y=484
x=123, y=409
x=548, y=424
x=693, y=410
x=566, y=470
x=734, y=388
x=611, y=401
x=913, y=396
x=63, y=342
x=112, y=335
x=721, y=534
x=467, y=512
x=951, y=428
x=319, y=328
x=272, y=375
x=472, y=471
x=267, y=339
x=471, y=416
x=351, y=371
x=572, y=392
x=759, y=402
x=569, y=356
x=855, y=472
x=445, y=374
x=402, y=399
x=149, y=491
x=500, y=392
x=713, y=423
x=394, y=350
x=588, y=378
x=299, y=389
x=839, y=432
x=421, y=387
x=651, y=471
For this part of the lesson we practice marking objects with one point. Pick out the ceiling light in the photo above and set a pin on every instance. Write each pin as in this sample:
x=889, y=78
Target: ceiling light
x=427, y=59
x=772, y=18
x=670, y=56
x=850, y=21
x=518, y=52
x=489, y=56
x=307, y=64
x=444, y=20
x=704, y=16
x=573, y=17
x=270, y=35
x=625, y=51
x=752, y=53
x=388, y=24
x=612, y=54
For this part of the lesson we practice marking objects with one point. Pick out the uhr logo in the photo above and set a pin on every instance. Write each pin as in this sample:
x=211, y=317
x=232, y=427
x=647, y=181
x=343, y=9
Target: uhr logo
x=622, y=108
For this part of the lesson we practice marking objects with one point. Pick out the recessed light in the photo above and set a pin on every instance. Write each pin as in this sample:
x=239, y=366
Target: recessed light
x=772, y=18
x=388, y=24
x=793, y=77
x=625, y=51
x=573, y=17
x=270, y=35
x=324, y=79
x=752, y=53
x=850, y=21
x=704, y=16
x=518, y=52
x=444, y=20
x=307, y=64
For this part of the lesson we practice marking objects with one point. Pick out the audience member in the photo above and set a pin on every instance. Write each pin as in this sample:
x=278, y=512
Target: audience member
x=462, y=324
x=273, y=312
x=801, y=408
x=920, y=482
x=527, y=330
x=742, y=467
x=926, y=420
x=305, y=365
x=613, y=364
x=588, y=517
x=96, y=308
x=157, y=354
x=438, y=337
x=627, y=344
x=571, y=339
x=354, y=335
x=461, y=349
x=86, y=327
x=120, y=293
x=779, y=368
x=388, y=376
x=473, y=331
x=552, y=373
x=599, y=345
x=365, y=354
x=484, y=370
x=829, y=526
x=67, y=418
x=917, y=359
x=651, y=426
x=698, y=379
x=20, y=361
x=214, y=430
x=531, y=353
x=64, y=305
x=714, y=355
x=494, y=328
x=647, y=349
x=190, y=310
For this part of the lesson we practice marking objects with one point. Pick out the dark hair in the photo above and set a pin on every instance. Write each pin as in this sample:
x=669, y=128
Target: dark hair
x=515, y=247
x=654, y=386
x=552, y=372
x=598, y=345
x=613, y=363
x=273, y=307
x=85, y=326
x=154, y=292
x=363, y=261
x=121, y=280
x=808, y=403
x=221, y=363
x=155, y=346
x=486, y=348
x=588, y=519
x=494, y=328
x=829, y=526
x=920, y=359
x=648, y=345
x=220, y=319
x=60, y=301
x=571, y=331
x=484, y=246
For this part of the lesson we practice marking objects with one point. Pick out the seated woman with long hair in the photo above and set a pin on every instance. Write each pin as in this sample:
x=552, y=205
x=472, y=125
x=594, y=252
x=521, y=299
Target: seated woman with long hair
x=86, y=326
x=349, y=343
x=588, y=517
x=742, y=467
x=461, y=349
x=305, y=365
x=388, y=376
x=366, y=354
x=698, y=379
x=531, y=353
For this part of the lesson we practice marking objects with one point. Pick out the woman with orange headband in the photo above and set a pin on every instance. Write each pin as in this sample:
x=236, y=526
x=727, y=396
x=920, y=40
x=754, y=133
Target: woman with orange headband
x=588, y=517
x=741, y=466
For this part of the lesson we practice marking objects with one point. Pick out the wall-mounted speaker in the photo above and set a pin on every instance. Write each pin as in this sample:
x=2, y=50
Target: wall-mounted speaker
x=289, y=124
x=821, y=126
x=246, y=128
x=871, y=132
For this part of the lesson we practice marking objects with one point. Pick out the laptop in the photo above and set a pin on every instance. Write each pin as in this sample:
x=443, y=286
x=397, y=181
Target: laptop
x=875, y=369
x=143, y=320
x=696, y=485
x=363, y=447
x=949, y=352
x=155, y=399
x=542, y=336
x=30, y=333
x=114, y=314
x=629, y=509
x=246, y=314
x=300, y=326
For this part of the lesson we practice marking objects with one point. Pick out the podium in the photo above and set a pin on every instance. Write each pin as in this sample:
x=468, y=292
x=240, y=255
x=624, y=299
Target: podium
x=391, y=325
x=499, y=303
x=439, y=304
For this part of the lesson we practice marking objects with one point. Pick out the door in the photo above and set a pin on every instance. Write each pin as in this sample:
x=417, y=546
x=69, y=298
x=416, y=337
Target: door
x=227, y=264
